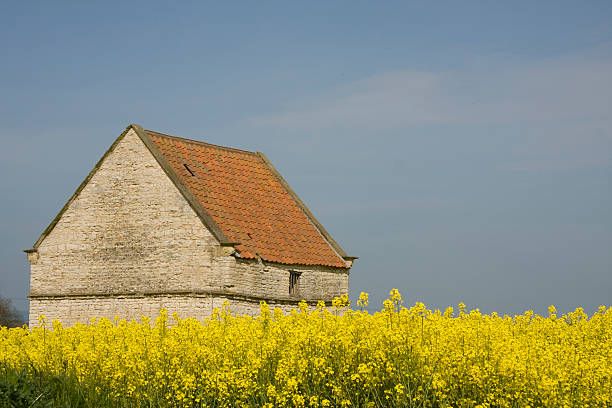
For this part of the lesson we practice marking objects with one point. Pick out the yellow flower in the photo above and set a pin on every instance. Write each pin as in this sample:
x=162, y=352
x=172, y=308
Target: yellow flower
x=315, y=357
x=363, y=300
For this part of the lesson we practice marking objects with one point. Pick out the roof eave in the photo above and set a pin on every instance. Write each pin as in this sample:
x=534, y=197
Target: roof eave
x=77, y=192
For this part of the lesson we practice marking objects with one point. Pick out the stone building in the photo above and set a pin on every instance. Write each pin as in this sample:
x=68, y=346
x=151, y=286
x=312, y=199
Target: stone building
x=167, y=222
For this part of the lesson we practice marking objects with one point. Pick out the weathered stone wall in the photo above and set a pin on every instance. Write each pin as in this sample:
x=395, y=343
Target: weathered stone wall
x=132, y=240
x=128, y=231
x=271, y=280
x=83, y=309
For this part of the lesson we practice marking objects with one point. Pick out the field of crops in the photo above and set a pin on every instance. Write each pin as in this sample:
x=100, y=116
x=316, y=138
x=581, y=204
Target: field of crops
x=334, y=357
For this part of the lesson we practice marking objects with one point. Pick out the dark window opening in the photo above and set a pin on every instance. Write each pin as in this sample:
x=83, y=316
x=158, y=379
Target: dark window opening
x=189, y=170
x=294, y=280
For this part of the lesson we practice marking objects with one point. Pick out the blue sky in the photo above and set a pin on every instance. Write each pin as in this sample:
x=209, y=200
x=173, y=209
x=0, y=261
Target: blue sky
x=462, y=151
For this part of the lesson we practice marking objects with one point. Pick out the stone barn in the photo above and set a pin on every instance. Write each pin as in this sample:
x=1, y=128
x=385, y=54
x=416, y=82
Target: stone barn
x=167, y=222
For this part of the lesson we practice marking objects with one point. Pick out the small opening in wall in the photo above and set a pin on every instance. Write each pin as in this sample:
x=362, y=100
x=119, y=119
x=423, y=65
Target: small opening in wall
x=294, y=280
x=188, y=169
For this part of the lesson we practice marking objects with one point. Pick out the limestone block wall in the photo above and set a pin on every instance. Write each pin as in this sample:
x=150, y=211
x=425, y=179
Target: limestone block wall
x=128, y=231
x=246, y=284
x=83, y=309
x=271, y=280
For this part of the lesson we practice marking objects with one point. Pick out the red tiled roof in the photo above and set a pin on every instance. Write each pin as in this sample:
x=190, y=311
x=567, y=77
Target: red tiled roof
x=248, y=202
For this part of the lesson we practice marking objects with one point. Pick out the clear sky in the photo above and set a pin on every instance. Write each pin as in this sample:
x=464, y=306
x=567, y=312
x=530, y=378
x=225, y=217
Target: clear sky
x=463, y=150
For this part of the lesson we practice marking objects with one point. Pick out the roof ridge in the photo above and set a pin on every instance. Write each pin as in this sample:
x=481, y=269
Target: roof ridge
x=214, y=146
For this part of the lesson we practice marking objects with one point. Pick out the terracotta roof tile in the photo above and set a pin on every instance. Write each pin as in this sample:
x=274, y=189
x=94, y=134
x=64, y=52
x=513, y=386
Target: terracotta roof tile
x=248, y=202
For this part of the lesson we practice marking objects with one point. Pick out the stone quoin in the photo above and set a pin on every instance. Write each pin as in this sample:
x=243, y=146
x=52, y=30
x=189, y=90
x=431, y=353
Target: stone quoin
x=167, y=222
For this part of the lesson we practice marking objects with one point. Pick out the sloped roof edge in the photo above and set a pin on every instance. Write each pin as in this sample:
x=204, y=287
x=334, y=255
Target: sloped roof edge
x=191, y=199
x=332, y=242
x=76, y=193
x=199, y=209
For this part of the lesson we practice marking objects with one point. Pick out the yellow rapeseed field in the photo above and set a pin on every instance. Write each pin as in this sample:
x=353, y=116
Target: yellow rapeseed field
x=334, y=357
